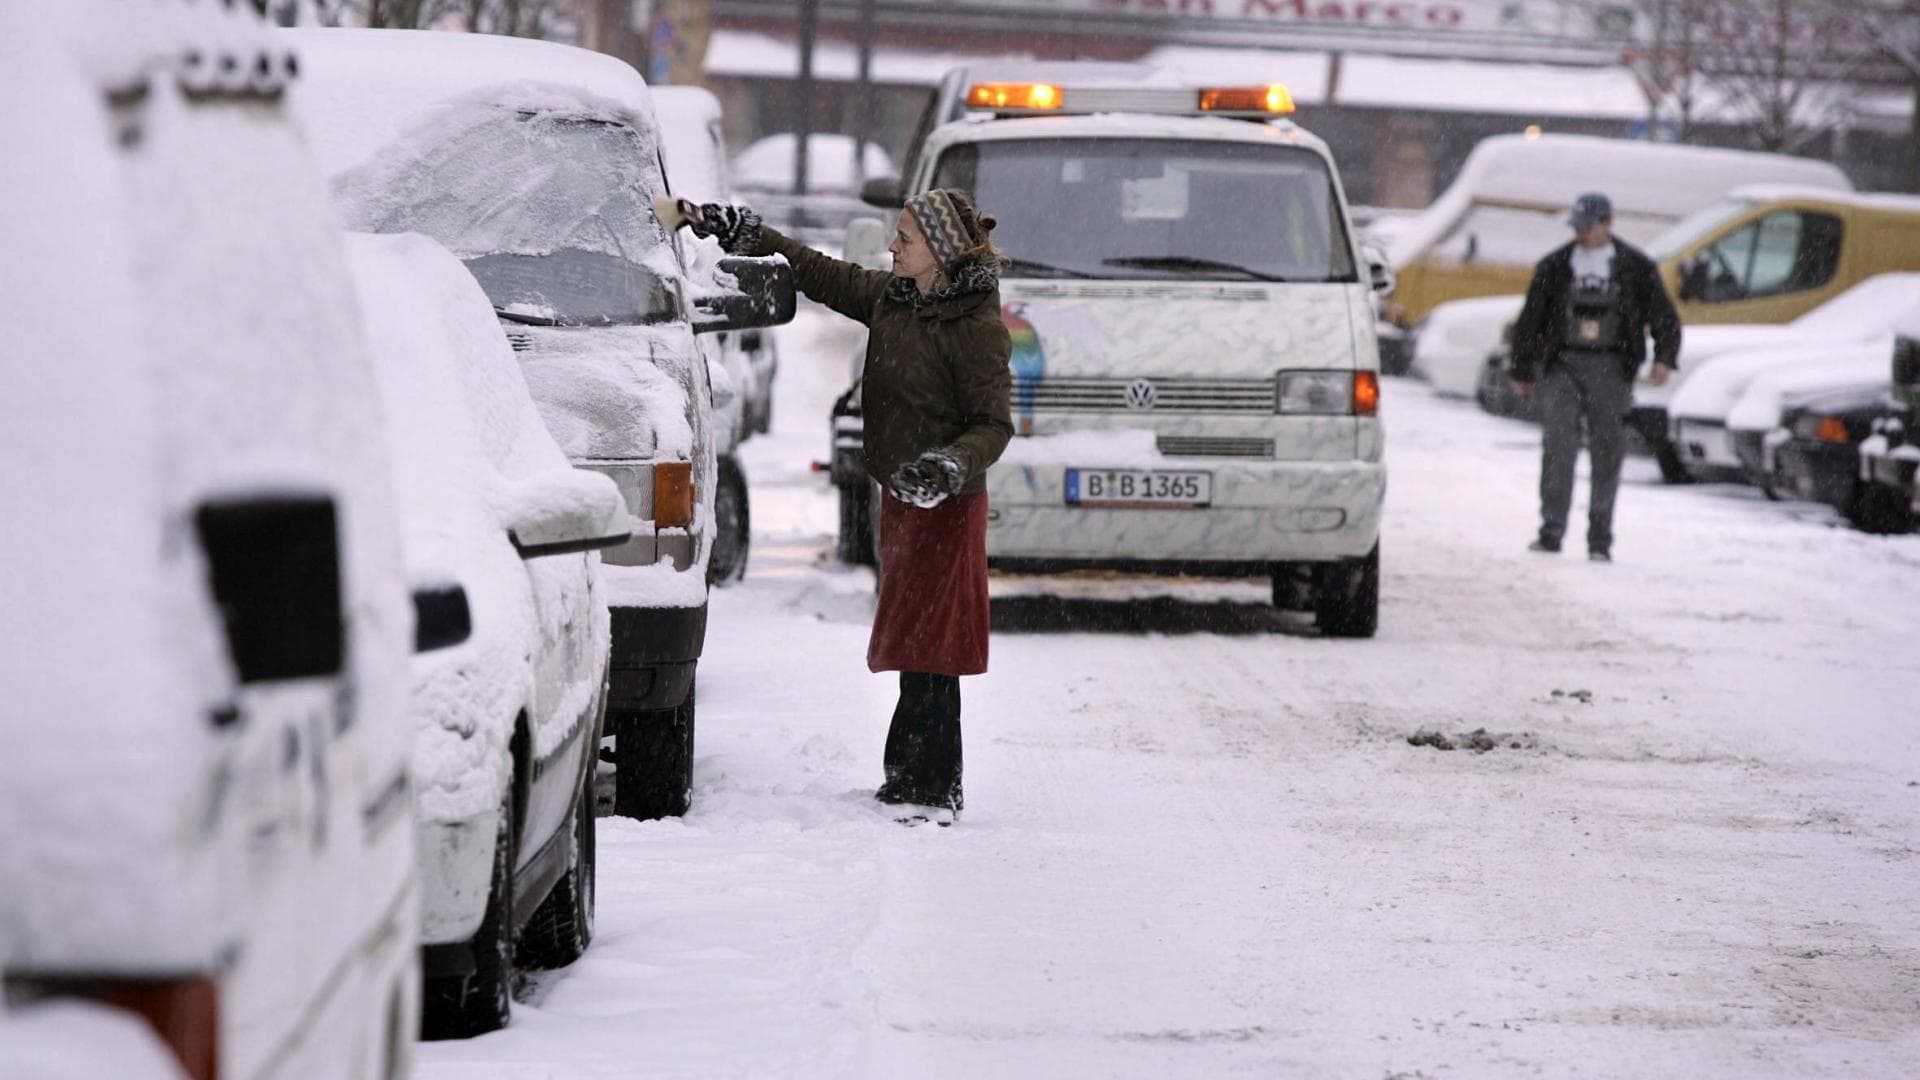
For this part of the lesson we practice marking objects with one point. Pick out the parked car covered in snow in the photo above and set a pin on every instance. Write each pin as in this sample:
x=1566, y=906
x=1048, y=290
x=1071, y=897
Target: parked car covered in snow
x=764, y=170
x=1815, y=452
x=205, y=811
x=1890, y=455
x=1849, y=334
x=536, y=164
x=1713, y=448
x=506, y=717
x=742, y=361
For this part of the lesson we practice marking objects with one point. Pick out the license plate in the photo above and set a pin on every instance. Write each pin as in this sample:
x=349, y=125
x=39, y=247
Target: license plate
x=1139, y=488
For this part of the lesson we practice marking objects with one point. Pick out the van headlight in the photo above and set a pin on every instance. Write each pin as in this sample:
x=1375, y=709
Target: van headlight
x=1325, y=393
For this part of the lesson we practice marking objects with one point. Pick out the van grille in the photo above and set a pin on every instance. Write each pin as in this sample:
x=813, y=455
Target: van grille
x=1240, y=396
x=1203, y=446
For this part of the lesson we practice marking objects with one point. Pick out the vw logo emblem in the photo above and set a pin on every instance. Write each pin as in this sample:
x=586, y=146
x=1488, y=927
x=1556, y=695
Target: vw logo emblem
x=1141, y=394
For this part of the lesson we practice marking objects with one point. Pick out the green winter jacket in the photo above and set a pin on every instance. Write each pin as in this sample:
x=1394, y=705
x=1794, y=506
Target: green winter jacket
x=936, y=374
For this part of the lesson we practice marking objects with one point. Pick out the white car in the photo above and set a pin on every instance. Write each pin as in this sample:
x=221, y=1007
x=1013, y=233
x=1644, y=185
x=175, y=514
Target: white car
x=1454, y=347
x=537, y=165
x=1758, y=385
x=507, y=713
x=204, y=797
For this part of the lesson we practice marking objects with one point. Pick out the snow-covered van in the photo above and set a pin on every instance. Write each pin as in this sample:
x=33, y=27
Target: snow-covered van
x=1195, y=370
x=1508, y=207
x=205, y=810
x=537, y=164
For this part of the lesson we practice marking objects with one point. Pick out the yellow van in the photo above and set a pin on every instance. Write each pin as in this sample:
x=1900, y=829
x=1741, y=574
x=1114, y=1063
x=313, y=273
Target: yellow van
x=1766, y=254
x=1508, y=207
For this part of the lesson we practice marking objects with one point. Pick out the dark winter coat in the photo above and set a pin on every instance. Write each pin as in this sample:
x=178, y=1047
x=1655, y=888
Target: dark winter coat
x=936, y=373
x=1540, y=333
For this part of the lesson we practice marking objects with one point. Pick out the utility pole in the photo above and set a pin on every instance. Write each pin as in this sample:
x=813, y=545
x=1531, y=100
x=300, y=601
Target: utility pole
x=809, y=17
x=863, y=102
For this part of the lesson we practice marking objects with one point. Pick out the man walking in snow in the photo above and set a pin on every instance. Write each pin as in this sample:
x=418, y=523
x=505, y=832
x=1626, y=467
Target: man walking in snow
x=1583, y=331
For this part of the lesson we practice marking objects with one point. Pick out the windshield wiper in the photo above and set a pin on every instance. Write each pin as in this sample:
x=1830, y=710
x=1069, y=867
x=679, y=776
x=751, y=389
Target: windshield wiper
x=524, y=319
x=1188, y=262
x=1018, y=264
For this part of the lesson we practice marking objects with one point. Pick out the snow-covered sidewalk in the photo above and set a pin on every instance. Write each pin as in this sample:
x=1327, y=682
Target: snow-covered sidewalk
x=1199, y=843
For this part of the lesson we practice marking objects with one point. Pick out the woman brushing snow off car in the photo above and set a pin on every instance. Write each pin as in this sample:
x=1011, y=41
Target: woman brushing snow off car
x=938, y=413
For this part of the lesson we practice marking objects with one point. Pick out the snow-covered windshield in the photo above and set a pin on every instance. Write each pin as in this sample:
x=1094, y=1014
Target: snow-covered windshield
x=1695, y=226
x=552, y=211
x=1162, y=208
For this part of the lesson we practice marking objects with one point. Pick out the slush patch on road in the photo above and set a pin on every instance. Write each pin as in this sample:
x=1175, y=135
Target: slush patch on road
x=1479, y=740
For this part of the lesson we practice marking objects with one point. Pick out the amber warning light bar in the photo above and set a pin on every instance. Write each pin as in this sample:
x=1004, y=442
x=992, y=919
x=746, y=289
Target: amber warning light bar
x=1028, y=99
x=1271, y=100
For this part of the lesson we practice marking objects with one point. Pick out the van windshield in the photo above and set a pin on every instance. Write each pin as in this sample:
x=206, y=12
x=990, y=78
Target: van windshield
x=1695, y=226
x=551, y=210
x=1185, y=209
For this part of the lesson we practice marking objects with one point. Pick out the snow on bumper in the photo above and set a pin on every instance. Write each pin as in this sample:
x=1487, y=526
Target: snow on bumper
x=1260, y=512
x=456, y=869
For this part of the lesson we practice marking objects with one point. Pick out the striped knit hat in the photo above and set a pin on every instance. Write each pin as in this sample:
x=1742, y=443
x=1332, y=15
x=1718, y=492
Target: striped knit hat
x=940, y=218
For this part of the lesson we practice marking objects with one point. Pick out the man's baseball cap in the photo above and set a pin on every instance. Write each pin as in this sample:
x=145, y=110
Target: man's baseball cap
x=1590, y=209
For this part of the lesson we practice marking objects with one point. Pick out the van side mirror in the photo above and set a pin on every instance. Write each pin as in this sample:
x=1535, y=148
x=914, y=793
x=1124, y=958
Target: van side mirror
x=882, y=192
x=441, y=617
x=866, y=243
x=1693, y=278
x=564, y=511
x=762, y=295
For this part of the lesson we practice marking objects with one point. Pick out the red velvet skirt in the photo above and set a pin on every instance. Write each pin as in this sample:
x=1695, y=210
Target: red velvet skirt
x=933, y=615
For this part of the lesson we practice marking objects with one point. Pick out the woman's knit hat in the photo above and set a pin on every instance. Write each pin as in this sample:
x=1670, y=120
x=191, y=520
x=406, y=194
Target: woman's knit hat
x=941, y=218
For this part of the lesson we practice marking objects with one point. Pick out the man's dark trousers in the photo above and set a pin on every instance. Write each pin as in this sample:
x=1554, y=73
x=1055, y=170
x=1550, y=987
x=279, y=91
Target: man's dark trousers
x=1589, y=387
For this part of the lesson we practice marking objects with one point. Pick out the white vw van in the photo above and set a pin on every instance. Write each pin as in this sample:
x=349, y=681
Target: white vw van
x=1195, y=370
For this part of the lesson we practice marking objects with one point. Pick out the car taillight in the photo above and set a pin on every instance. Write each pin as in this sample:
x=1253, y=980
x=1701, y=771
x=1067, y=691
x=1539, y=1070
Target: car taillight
x=673, y=495
x=1832, y=429
x=184, y=1013
x=1366, y=393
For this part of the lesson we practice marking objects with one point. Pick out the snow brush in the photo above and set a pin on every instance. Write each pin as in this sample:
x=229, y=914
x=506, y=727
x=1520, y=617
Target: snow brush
x=674, y=213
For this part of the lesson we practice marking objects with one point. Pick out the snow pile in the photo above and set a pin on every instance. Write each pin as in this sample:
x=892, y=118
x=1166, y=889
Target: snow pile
x=767, y=164
x=71, y=1039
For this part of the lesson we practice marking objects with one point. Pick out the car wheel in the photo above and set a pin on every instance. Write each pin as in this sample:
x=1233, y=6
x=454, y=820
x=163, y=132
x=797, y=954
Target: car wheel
x=732, y=528
x=462, y=1006
x=1347, y=596
x=563, y=925
x=854, y=542
x=1880, y=509
x=1292, y=588
x=1667, y=456
x=653, y=762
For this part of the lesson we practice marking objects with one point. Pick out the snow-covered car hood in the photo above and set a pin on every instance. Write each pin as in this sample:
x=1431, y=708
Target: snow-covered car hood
x=616, y=392
x=1714, y=389
x=1768, y=395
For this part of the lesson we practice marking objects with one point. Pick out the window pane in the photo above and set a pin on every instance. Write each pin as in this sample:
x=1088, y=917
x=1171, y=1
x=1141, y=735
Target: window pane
x=1777, y=247
x=1728, y=265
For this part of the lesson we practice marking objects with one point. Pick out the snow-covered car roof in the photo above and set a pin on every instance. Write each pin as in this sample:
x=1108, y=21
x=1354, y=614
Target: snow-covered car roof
x=1713, y=391
x=1876, y=305
x=1642, y=178
x=1878, y=200
x=378, y=83
x=766, y=164
x=1763, y=399
x=1125, y=125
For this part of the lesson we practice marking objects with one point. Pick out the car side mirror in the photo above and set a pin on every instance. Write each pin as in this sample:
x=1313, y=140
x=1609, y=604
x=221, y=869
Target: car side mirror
x=441, y=617
x=882, y=192
x=564, y=511
x=866, y=243
x=762, y=295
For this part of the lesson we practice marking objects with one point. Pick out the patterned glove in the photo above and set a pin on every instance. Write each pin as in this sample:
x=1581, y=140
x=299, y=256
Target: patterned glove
x=928, y=480
x=736, y=227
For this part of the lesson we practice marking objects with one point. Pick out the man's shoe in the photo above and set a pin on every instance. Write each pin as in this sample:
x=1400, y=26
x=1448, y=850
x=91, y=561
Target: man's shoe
x=1545, y=545
x=911, y=814
x=1599, y=555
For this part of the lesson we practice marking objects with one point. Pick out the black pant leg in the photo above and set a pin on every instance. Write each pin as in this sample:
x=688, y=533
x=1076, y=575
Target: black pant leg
x=923, y=762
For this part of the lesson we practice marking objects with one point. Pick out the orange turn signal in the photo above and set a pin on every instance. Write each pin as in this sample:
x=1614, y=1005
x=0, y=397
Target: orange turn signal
x=1831, y=430
x=1366, y=393
x=1013, y=96
x=1274, y=98
x=673, y=495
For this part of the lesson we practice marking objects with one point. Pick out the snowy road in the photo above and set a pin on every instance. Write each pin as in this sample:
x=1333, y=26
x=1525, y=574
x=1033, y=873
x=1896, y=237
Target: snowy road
x=1199, y=844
